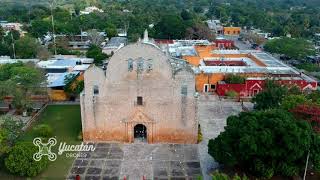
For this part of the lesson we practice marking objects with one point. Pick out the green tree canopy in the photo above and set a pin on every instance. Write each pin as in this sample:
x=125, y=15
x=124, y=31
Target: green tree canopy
x=314, y=97
x=2, y=33
x=40, y=27
x=20, y=81
x=20, y=160
x=294, y=48
x=4, y=49
x=111, y=30
x=10, y=130
x=266, y=143
x=170, y=27
x=271, y=96
x=291, y=101
x=235, y=79
x=26, y=47
x=73, y=85
x=96, y=53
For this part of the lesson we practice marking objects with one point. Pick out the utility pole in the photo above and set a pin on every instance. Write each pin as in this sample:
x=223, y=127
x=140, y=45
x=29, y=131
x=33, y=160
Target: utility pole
x=305, y=169
x=13, y=47
x=52, y=22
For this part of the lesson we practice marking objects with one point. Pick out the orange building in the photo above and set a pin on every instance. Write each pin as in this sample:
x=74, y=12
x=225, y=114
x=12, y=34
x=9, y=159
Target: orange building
x=211, y=66
x=233, y=31
x=203, y=51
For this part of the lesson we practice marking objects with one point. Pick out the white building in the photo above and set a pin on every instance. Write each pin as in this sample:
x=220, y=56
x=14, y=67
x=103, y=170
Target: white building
x=91, y=9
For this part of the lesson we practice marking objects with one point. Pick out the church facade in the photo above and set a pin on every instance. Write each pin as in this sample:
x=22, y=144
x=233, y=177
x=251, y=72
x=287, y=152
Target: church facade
x=144, y=95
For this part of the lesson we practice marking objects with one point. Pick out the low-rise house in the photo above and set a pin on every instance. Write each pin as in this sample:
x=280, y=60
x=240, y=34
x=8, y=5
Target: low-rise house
x=81, y=41
x=7, y=26
x=114, y=44
x=224, y=44
x=57, y=82
x=232, y=31
x=58, y=69
x=8, y=60
x=91, y=9
x=215, y=26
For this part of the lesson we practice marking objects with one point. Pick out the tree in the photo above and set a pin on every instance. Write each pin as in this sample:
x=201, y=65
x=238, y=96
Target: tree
x=39, y=28
x=292, y=101
x=26, y=47
x=96, y=53
x=170, y=27
x=186, y=15
x=10, y=130
x=199, y=31
x=111, y=30
x=293, y=48
x=221, y=176
x=62, y=45
x=20, y=160
x=43, y=130
x=314, y=97
x=232, y=94
x=235, y=79
x=73, y=86
x=20, y=81
x=198, y=9
x=95, y=37
x=2, y=33
x=271, y=96
x=4, y=49
x=266, y=143
x=15, y=35
x=43, y=53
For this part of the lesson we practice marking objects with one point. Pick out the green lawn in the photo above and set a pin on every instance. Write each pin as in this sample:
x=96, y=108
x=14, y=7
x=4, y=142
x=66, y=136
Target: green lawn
x=65, y=121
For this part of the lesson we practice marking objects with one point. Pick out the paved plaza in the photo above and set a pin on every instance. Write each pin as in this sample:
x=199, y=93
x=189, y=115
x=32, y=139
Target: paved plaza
x=212, y=114
x=138, y=161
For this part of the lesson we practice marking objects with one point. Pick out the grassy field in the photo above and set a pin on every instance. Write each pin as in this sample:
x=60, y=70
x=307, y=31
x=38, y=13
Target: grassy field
x=65, y=121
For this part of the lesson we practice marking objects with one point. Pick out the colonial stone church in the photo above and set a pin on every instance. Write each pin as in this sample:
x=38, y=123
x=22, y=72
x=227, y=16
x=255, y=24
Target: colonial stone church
x=144, y=95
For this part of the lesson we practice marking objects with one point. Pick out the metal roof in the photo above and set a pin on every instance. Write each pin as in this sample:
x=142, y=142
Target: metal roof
x=116, y=42
x=269, y=60
x=81, y=67
x=57, y=79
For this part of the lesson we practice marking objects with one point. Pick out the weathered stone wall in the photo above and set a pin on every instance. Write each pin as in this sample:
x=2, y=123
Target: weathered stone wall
x=168, y=112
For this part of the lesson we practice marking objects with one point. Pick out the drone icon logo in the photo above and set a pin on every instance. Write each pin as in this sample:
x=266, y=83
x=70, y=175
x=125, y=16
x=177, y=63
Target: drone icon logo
x=44, y=149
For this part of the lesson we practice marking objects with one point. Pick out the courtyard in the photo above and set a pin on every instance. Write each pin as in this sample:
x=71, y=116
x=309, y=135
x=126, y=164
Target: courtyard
x=212, y=116
x=138, y=161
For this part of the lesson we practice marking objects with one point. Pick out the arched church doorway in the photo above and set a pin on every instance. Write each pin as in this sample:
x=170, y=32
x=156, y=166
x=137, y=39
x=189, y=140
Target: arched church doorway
x=140, y=133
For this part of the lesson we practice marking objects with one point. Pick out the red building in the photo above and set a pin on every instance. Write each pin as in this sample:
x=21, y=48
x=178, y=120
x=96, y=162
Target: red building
x=253, y=86
x=225, y=63
x=224, y=44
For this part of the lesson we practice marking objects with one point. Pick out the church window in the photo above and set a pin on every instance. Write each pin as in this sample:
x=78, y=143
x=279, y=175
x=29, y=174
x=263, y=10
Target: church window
x=96, y=90
x=140, y=65
x=139, y=101
x=184, y=90
x=149, y=66
x=130, y=65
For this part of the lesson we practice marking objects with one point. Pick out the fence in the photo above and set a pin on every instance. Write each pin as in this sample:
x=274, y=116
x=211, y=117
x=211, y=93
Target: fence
x=34, y=117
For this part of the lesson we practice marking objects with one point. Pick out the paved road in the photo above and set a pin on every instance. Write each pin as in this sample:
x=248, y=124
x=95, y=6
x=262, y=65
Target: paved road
x=239, y=44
